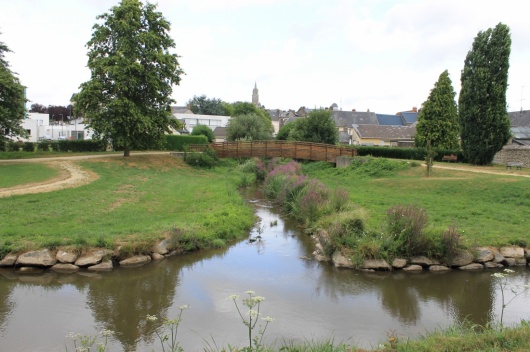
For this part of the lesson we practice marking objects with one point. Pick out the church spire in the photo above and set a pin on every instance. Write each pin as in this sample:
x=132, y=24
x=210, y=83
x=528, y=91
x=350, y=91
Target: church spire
x=255, y=96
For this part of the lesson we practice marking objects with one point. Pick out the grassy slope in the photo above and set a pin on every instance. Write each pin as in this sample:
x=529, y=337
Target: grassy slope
x=137, y=199
x=19, y=174
x=487, y=209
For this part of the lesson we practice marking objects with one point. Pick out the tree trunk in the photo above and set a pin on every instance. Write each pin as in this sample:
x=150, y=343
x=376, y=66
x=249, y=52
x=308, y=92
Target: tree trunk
x=126, y=151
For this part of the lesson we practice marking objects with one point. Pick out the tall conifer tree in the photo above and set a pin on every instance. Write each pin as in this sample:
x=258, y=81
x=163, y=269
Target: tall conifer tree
x=438, y=117
x=484, y=122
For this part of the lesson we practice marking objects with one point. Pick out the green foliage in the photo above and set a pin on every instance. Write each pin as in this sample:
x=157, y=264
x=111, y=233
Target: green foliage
x=438, y=117
x=376, y=167
x=203, y=130
x=178, y=142
x=207, y=159
x=317, y=127
x=406, y=225
x=285, y=131
x=202, y=105
x=484, y=123
x=248, y=127
x=12, y=99
x=128, y=97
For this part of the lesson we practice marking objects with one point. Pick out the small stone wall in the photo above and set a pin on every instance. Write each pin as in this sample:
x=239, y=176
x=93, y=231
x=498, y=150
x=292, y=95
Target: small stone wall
x=513, y=153
x=478, y=259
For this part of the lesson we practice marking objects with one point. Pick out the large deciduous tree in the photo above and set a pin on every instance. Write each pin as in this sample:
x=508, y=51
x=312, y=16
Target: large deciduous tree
x=12, y=99
x=438, y=117
x=128, y=97
x=203, y=105
x=317, y=127
x=484, y=122
x=248, y=127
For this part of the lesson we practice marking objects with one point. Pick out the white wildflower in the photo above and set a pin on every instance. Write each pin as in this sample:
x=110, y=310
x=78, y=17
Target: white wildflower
x=253, y=313
x=73, y=336
x=250, y=292
x=233, y=297
x=107, y=333
x=185, y=306
x=152, y=317
x=268, y=319
x=258, y=299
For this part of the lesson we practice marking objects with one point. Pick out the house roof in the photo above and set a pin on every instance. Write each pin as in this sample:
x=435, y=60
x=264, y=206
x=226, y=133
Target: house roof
x=386, y=132
x=519, y=118
x=520, y=132
x=219, y=132
x=348, y=118
x=180, y=110
x=390, y=120
x=410, y=117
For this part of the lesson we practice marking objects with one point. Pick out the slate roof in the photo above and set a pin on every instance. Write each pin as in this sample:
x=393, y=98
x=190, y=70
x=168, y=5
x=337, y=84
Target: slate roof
x=409, y=117
x=386, y=132
x=348, y=118
x=520, y=132
x=389, y=120
x=519, y=118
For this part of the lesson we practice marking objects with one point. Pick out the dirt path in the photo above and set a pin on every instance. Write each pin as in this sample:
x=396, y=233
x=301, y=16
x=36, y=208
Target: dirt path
x=482, y=170
x=71, y=175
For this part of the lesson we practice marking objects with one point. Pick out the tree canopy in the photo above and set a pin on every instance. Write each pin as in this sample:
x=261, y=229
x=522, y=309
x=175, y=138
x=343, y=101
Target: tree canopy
x=203, y=130
x=203, y=105
x=248, y=127
x=317, y=127
x=12, y=99
x=484, y=122
x=438, y=117
x=128, y=97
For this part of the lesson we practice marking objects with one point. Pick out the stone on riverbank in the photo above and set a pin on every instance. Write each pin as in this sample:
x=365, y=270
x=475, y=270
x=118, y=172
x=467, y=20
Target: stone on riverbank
x=340, y=261
x=135, y=261
x=424, y=261
x=413, y=268
x=376, y=264
x=64, y=267
x=162, y=247
x=493, y=265
x=41, y=257
x=9, y=260
x=66, y=257
x=92, y=259
x=484, y=254
x=399, y=263
x=438, y=268
x=512, y=252
x=105, y=265
x=472, y=266
x=462, y=258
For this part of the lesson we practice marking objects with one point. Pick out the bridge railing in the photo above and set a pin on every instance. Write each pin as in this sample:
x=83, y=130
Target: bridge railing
x=273, y=148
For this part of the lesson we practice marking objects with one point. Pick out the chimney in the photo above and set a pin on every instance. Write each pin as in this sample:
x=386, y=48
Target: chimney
x=353, y=110
x=414, y=109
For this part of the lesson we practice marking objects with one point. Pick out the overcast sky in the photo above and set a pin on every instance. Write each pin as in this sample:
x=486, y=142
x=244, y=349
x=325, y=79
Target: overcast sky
x=380, y=55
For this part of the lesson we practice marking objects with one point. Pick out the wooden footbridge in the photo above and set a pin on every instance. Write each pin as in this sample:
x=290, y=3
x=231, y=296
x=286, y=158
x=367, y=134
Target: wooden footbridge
x=273, y=148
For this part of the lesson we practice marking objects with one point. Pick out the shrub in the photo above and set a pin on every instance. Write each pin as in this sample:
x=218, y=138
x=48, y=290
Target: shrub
x=450, y=242
x=200, y=160
x=203, y=130
x=28, y=147
x=406, y=224
x=376, y=167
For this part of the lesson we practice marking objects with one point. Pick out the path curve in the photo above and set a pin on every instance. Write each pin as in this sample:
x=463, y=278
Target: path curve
x=71, y=175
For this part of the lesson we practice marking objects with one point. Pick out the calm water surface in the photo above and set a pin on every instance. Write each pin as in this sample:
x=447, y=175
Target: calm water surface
x=309, y=300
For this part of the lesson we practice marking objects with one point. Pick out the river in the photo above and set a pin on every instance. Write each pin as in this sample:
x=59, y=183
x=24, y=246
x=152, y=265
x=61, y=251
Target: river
x=309, y=300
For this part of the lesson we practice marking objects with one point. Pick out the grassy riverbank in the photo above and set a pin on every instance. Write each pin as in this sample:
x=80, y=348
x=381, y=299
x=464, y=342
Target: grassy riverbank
x=134, y=202
x=488, y=209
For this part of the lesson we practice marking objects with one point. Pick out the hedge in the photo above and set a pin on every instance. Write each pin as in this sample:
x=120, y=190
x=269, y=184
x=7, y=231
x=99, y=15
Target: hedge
x=177, y=142
x=58, y=146
x=405, y=153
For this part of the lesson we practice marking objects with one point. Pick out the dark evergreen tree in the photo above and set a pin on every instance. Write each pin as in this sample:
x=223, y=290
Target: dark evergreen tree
x=484, y=122
x=438, y=117
x=128, y=98
x=12, y=99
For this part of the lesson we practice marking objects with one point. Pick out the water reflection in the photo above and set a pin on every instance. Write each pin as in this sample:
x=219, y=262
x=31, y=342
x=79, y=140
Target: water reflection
x=307, y=298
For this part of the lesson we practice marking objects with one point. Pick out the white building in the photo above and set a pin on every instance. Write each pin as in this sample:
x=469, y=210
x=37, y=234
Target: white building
x=192, y=120
x=39, y=128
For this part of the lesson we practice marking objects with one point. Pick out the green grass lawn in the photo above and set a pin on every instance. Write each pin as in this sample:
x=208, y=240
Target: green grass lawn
x=19, y=174
x=487, y=209
x=135, y=200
